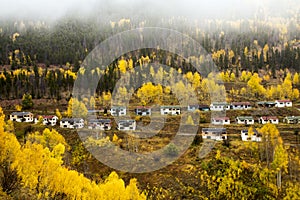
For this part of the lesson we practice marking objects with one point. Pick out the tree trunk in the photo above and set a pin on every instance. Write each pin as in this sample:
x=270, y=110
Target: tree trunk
x=279, y=179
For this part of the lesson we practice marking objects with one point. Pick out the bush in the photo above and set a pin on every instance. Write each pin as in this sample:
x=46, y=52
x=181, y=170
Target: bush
x=171, y=150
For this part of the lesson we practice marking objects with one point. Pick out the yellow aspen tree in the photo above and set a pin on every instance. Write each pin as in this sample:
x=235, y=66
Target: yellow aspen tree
x=190, y=120
x=232, y=77
x=265, y=50
x=287, y=86
x=122, y=65
x=58, y=114
x=92, y=102
x=295, y=94
x=296, y=79
x=130, y=64
x=196, y=80
x=76, y=109
x=254, y=85
x=18, y=107
x=280, y=161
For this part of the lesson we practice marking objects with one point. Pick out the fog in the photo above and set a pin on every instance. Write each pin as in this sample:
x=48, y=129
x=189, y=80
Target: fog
x=194, y=9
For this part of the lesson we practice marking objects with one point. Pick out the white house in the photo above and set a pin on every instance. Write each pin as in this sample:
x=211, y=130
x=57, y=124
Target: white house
x=143, y=111
x=255, y=137
x=220, y=120
x=118, y=111
x=219, y=106
x=47, y=119
x=170, y=110
x=21, y=116
x=71, y=123
x=214, y=133
x=291, y=119
x=240, y=105
x=126, y=125
x=101, y=124
x=283, y=103
x=268, y=119
x=244, y=120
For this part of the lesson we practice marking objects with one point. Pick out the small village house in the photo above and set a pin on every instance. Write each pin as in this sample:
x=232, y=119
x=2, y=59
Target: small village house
x=219, y=106
x=170, y=110
x=266, y=104
x=291, y=119
x=255, y=137
x=71, y=123
x=220, y=121
x=283, y=103
x=47, y=119
x=247, y=120
x=101, y=124
x=126, y=125
x=118, y=111
x=268, y=119
x=143, y=111
x=21, y=117
x=204, y=108
x=240, y=105
x=214, y=133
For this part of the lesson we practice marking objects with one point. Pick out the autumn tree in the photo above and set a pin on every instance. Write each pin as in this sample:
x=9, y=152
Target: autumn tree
x=254, y=85
x=287, y=86
x=58, y=114
x=27, y=102
x=76, y=108
x=296, y=79
x=150, y=93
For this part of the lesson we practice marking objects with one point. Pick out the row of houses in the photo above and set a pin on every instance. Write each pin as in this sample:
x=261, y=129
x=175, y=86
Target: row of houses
x=215, y=106
x=249, y=120
x=220, y=134
x=145, y=111
x=72, y=123
x=104, y=123
x=222, y=106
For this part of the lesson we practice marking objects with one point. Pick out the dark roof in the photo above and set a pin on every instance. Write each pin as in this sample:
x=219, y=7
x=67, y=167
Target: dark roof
x=71, y=119
x=203, y=106
x=216, y=130
x=100, y=121
x=21, y=113
x=266, y=103
x=292, y=117
x=220, y=118
x=118, y=107
x=245, y=117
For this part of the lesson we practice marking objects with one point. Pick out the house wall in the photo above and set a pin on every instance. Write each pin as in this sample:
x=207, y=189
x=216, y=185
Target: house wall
x=121, y=126
x=121, y=112
x=245, y=121
x=219, y=107
x=220, y=122
x=214, y=136
x=169, y=111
